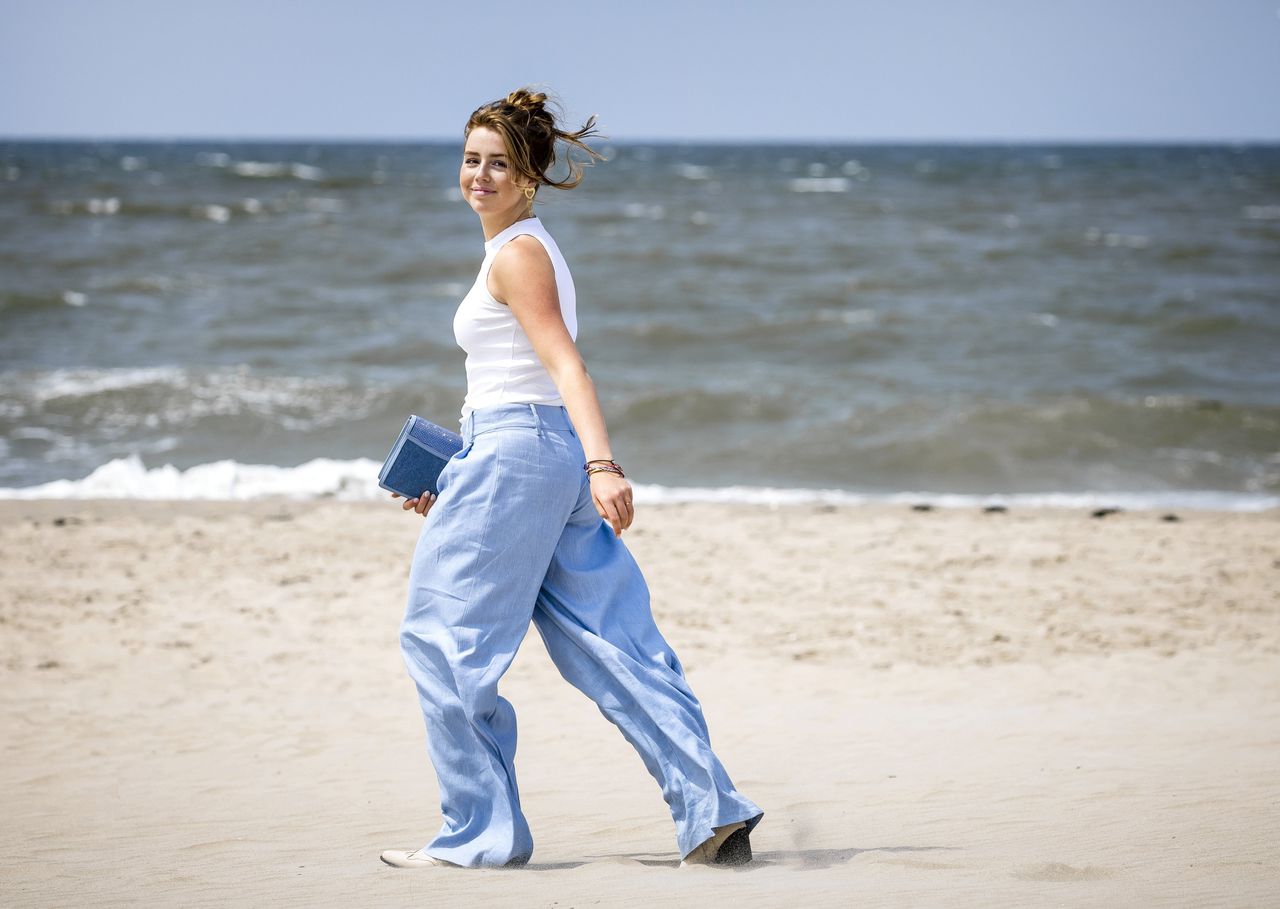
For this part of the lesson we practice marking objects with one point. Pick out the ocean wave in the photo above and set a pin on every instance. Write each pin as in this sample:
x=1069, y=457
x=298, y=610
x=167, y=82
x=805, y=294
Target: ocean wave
x=220, y=211
x=1204, y=325
x=821, y=333
x=1189, y=252
x=356, y=480
x=118, y=401
x=225, y=480
x=17, y=300
x=80, y=383
x=424, y=270
x=399, y=351
x=94, y=205
x=693, y=171
x=273, y=170
x=694, y=407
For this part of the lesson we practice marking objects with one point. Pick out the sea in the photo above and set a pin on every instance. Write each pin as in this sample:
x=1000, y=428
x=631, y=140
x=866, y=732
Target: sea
x=958, y=324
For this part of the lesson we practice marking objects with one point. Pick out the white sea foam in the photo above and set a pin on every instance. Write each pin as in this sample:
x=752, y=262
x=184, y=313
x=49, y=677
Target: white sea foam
x=693, y=171
x=107, y=206
x=356, y=480
x=271, y=169
x=640, y=210
x=59, y=383
x=219, y=213
x=258, y=169
x=129, y=478
x=306, y=172
x=820, y=184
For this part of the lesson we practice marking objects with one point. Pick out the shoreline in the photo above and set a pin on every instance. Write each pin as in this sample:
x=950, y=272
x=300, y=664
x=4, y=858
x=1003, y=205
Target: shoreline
x=355, y=481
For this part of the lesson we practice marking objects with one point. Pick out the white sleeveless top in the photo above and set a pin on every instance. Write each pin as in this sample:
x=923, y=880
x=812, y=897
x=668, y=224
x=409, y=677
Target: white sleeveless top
x=502, y=366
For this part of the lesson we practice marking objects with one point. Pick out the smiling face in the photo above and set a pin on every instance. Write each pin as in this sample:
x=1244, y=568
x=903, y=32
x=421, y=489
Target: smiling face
x=488, y=180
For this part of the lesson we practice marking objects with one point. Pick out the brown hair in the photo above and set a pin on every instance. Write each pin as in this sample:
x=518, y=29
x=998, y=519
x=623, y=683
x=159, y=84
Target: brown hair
x=530, y=132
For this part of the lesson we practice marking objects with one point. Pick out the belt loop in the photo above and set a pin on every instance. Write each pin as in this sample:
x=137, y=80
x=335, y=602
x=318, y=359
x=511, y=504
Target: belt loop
x=537, y=418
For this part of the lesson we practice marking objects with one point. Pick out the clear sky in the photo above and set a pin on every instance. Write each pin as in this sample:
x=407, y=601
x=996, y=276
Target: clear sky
x=882, y=70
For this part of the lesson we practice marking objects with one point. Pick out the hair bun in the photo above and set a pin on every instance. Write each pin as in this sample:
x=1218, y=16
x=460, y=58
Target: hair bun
x=524, y=99
x=529, y=125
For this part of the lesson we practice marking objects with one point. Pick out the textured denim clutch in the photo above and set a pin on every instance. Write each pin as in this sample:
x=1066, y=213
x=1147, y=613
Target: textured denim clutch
x=415, y=462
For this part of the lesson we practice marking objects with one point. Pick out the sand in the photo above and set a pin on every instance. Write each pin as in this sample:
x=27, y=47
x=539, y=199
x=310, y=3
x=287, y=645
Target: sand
x=203, y=705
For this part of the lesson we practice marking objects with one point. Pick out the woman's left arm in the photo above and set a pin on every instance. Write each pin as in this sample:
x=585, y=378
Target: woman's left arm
x=524, y=278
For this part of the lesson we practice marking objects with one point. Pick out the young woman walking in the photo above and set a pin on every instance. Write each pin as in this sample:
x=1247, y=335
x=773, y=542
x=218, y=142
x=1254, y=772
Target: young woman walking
x=528, y=526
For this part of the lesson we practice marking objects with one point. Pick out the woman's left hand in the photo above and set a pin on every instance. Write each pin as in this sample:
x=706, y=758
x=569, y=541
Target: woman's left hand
x=612, y=495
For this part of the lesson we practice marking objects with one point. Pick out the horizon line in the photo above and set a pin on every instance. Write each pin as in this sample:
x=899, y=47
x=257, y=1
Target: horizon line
x=640, y=140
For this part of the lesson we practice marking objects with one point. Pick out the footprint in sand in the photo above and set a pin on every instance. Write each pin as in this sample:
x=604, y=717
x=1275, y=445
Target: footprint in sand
x=1057, y=871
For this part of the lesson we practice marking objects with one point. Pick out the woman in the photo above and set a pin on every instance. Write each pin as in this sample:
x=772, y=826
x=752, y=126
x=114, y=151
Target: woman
x=528, y=525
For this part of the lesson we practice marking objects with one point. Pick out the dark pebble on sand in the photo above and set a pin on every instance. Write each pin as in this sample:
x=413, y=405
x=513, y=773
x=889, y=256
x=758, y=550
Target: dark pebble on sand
x=1171, y=518
x=922, y=506
x=995, y=509
x=1103, y=512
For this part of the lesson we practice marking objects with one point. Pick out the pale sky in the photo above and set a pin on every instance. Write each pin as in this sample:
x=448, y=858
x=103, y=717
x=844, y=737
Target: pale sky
x=888, y=70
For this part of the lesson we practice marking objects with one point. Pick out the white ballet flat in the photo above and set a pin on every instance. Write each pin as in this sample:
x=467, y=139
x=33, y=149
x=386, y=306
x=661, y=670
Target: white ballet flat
x=398, y=858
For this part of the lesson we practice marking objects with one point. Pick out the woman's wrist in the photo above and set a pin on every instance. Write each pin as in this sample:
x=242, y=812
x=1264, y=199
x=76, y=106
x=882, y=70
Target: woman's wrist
x=603, y=465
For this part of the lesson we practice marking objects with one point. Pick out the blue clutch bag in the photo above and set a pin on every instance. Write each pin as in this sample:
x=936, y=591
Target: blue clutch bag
x=414, y=464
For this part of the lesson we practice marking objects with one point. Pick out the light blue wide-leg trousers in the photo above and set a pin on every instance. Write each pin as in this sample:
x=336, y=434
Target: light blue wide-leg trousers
x=514, y=536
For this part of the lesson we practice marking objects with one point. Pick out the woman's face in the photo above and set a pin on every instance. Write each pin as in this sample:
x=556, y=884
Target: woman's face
x=488, y=181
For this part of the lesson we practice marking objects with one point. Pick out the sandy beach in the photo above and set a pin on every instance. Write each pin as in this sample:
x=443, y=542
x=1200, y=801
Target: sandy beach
x=203, y=704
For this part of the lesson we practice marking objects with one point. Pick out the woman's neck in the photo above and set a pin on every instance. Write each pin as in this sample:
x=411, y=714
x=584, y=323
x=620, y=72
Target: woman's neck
x=493, y=228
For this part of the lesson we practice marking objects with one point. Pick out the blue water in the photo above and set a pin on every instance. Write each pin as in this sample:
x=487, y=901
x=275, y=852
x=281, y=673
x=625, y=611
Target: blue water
x=873, y=320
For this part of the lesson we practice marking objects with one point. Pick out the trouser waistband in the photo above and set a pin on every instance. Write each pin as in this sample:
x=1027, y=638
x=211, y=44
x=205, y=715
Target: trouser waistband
x=506, y=416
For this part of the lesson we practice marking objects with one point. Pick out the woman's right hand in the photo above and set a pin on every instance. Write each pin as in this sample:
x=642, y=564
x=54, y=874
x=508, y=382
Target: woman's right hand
x=422, y=504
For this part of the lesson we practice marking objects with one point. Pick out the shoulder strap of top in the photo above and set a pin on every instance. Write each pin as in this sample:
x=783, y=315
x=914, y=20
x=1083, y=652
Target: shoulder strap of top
x=528, y=226
x=518, y=229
